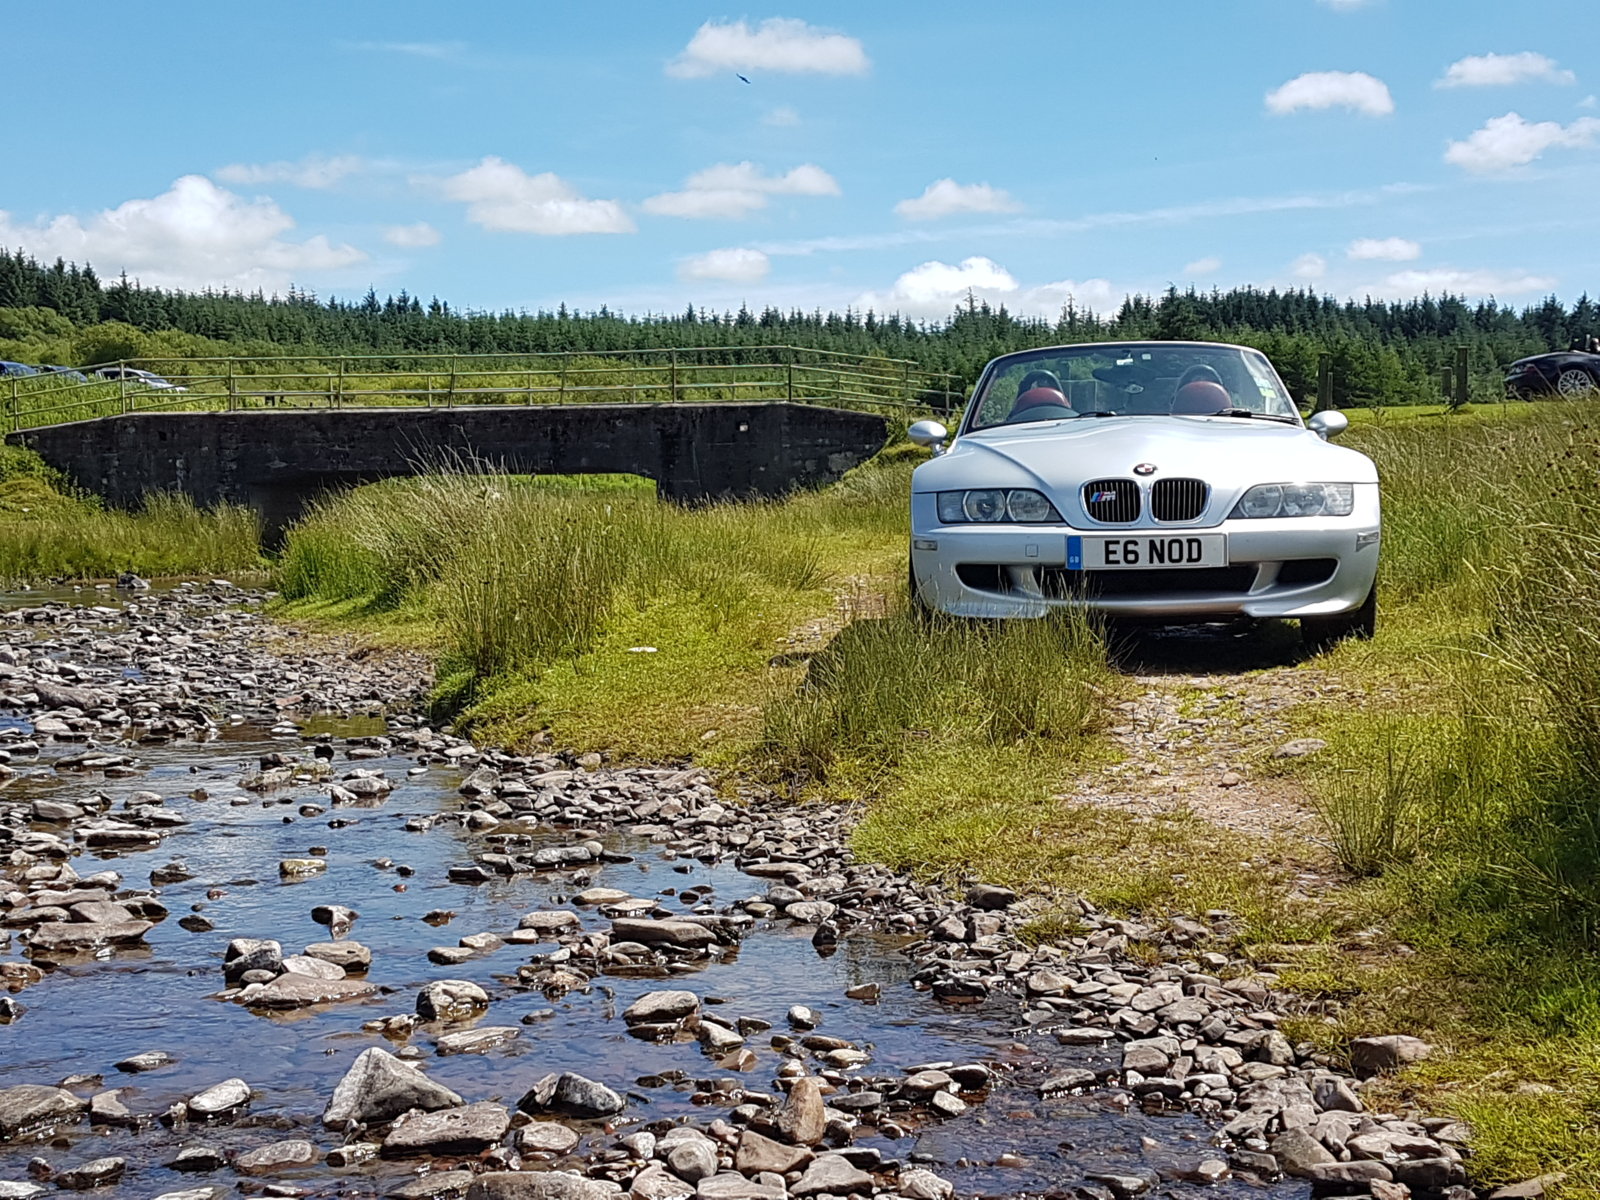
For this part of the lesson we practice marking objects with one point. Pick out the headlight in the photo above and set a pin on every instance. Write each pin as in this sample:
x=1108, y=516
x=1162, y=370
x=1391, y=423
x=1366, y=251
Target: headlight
x=1297, y=500
x=990, y=505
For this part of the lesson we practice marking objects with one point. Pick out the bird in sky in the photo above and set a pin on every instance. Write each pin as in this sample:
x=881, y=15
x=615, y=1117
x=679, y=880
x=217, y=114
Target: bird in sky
x=740, y=78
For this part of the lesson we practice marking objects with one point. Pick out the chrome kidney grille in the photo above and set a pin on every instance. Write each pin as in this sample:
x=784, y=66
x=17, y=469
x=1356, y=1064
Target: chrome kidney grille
x=1178, y=499
x=1113, y=501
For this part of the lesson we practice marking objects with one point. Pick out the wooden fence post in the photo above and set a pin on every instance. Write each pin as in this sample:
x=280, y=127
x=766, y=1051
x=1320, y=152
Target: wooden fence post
x=1324, y=383
x=1461, y=375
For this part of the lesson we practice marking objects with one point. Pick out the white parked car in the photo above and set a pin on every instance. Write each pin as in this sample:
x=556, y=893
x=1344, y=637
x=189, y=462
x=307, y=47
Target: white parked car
x=1166, y=480
x=147, y=379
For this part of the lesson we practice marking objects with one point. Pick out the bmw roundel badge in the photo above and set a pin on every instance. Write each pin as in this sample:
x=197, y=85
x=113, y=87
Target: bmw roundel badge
x=1145, y=469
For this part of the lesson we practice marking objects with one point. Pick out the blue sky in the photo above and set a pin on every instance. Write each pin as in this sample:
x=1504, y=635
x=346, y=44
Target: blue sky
x=887, y=155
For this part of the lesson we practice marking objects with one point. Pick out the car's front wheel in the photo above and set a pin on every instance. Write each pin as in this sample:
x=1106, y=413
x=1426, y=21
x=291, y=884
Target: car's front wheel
x=1576, y=384
x=1324, y=633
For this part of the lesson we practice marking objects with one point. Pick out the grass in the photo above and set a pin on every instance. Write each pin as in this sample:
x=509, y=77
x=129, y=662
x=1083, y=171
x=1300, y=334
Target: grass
x=49, y=532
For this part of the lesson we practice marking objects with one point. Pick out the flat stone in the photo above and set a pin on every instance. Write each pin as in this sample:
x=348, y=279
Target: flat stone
x=602, y=895
x=279, y=1156
x=919, y=1183
x=657, y=933
x=476, y=1041
x=456, y=1131
x=435, y=1185
x=537, y=1185
x=378, y=1087
x=1298, y=1152
x=756, y=1154
x=351, y=956
x=293, y=990
x=150, y=1060
x=220, y=1098
x=199, y=1159
x=1372, y=1054
x=102, y=1172
x=548, y=1137
x=655, y=1007
x=1365, y=1171
x=14, y=1190
x=31, y=1106
x=304, y=964
x=87, y=935
x=834, y=1174
x=730, y=1185
x=655, y=1182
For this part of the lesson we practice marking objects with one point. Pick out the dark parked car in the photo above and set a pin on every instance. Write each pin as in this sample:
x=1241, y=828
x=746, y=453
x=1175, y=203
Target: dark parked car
x=1569, y=373
x=11, y=369
x=62, y=374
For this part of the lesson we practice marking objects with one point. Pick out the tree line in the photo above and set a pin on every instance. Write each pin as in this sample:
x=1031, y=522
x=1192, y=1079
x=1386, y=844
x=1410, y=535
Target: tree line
x=1383, y=351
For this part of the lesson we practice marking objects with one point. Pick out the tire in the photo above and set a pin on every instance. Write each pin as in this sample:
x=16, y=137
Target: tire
x=1324, y=633
x=1575, y=383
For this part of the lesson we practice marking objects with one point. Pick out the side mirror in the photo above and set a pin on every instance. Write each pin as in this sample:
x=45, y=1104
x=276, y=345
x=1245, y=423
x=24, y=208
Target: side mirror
x=928, y=433
x=1328, y=425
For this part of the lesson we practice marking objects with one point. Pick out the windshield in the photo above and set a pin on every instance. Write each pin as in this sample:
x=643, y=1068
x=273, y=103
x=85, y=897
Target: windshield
x=1158, y=379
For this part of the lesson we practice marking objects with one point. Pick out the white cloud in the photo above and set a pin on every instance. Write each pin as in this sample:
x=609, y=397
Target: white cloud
x=730, y=266
x=932, y=291
x=1458, y=282
x=1510, y=141
x=313, y=171
x=945, y=197
x=779, y=44
x=1309, y=266
x=1391, y=249
x=735, y=190
x=782, y=116
x=411, y=236
x=192, y=236
x=1499, y=70
x=502, y=197
x=1209, y=265
x=1589, y=102
x=1355, y=90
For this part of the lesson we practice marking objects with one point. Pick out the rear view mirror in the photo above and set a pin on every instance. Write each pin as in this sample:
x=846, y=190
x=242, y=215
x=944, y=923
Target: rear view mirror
x=1328, y=425
x=928, y=433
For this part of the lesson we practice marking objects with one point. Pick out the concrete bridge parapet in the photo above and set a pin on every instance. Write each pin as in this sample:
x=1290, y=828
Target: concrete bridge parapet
x=279, y=461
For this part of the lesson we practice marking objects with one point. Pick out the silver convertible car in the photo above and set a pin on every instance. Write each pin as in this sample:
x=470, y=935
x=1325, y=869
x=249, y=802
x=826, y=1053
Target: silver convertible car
x=1165, y=480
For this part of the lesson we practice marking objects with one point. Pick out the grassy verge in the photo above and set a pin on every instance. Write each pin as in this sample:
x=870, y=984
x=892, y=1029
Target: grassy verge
x=47, y=532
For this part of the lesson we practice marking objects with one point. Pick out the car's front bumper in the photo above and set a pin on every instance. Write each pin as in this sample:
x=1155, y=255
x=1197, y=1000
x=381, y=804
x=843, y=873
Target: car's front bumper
x=1289, y=567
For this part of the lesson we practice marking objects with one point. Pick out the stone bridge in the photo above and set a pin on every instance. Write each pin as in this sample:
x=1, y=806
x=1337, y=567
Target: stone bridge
x=277, y=462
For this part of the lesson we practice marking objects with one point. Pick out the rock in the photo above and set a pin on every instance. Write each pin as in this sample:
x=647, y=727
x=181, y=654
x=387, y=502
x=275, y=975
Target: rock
x=573, y=1095
x=451, y=999
x=10, y=1190
x=1370, y=1055
x=293, y=868
x=869, y=992
x=551, y=923
x=454, y=1131
x=730, y=1185
x=106, y=1108
x=684, y=934
x=989, y=896
x=691, y=1160
x=834, y=1174
x=718, y=1039
x=150, y=1060
x=476, y=1041
x=659, y=1007
x=1347, y=1173
x=435, y=1185
x=802, y=1017
x=76, y=936
x=220, y=1098
x=251, y=954
x=294, y=990
x=537, y=1185
x=199, y=1159
x=1299, y=748
x=547, y=1137
x=1528, y=1189
x=655, y=1182
x=353, y=1154
x=803, y=1119
x=279, y=1156
x=756, y=1154
x=601, y=895
x=30, y=1107
x=102, y=1172
x=918, y=1183
x=335, y=916
x=350, y=956
x=378, y=1087
x=304, y=964
x=1298, y=1152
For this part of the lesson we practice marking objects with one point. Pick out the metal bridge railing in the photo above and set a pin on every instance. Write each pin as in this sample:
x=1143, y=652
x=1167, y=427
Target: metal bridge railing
x=672, y=376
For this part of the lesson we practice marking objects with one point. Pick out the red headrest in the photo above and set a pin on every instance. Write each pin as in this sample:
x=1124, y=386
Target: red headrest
x=1201, y=396
x=1034, y=397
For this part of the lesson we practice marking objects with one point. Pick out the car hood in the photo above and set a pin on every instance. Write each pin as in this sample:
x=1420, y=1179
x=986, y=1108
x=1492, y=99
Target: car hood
x=1227, y=452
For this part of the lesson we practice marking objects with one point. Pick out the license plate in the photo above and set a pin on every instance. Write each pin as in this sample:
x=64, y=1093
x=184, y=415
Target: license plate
x=1147, y=551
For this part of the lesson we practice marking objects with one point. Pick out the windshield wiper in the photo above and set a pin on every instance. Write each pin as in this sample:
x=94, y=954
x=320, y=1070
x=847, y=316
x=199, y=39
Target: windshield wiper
x=1259, y=416
x=1101, y=412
